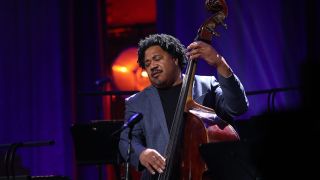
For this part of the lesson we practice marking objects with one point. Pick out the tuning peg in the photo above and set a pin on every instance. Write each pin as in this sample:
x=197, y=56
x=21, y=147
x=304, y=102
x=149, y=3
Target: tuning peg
x=224, y=25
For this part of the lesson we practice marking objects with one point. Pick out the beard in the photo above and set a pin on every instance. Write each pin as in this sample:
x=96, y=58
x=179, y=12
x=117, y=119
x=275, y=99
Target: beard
x=158, y=83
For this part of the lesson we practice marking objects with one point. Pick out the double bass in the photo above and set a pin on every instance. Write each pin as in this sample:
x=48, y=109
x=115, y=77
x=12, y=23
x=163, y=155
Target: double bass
x=194, y=124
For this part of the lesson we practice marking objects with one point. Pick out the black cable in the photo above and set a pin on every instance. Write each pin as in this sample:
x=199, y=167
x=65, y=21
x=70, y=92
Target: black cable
x=269, y=101
x=273, y=106
x=6, y=161
x=11, y=159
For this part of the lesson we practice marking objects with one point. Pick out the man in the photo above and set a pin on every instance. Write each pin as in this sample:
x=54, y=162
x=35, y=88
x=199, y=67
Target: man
x=164, y=57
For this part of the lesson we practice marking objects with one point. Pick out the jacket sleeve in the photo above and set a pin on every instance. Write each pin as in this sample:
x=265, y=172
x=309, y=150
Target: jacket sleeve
x=137, y=142
x=226, y=96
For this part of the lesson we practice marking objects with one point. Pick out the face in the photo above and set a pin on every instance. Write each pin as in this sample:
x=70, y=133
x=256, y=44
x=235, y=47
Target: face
x=163, y=70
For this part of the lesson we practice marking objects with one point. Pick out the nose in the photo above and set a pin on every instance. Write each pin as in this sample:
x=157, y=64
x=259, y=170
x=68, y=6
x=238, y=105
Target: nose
x=153, y=65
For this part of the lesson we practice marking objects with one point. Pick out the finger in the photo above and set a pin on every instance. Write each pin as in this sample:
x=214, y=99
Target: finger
x=150, y=169
x=194, y=57
x=193, y=50
x=194, y=53
x=157, y=168
x=156, y=165
x=160, y=162
x=193, y=45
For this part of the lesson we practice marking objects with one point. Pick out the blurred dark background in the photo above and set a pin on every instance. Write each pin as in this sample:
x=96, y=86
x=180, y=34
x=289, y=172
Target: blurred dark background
x=53, y=52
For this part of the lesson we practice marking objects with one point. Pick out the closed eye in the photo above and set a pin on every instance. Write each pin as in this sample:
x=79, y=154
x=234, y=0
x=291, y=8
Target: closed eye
x=147, y=63
x=157, y=57
x=154, y=58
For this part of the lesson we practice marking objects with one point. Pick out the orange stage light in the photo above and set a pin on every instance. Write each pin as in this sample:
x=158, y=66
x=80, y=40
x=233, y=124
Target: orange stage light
x=126, y=73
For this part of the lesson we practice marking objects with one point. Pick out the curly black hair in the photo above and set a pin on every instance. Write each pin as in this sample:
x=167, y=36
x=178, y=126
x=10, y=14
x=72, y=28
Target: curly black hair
x=168, y=43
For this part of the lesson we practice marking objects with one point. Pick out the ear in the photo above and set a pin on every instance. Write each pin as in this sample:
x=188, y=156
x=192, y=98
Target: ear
x=176, y=61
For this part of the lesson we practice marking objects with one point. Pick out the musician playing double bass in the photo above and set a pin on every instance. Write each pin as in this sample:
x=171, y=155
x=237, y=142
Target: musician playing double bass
x=164, y=58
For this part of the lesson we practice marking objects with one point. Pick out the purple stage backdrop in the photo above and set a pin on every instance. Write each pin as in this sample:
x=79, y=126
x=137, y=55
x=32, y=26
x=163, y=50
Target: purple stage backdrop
x=49, y=50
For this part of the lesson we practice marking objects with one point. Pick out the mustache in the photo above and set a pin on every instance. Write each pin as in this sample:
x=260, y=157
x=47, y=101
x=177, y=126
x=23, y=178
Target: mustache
x=155, y=71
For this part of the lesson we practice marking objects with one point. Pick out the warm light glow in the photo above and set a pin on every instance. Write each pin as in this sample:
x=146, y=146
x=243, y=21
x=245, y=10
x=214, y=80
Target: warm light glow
x=120, y=68
x=144, y=74
x=126, y=73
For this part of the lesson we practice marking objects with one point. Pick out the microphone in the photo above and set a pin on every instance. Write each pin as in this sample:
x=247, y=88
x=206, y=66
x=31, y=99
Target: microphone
x=134, y=119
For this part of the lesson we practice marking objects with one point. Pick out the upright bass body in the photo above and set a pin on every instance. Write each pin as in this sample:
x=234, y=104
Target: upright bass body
x=202, y=126
x=194, y=124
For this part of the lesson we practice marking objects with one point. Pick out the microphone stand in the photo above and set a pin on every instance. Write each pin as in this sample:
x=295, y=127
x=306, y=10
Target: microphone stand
x=128, y=177
x=130, y=123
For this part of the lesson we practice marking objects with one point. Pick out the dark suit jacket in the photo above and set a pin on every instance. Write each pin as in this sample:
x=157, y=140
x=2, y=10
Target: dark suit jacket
x=227, y=97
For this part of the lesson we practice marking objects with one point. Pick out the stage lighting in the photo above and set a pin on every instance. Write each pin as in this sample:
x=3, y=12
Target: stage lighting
x=126, y=73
